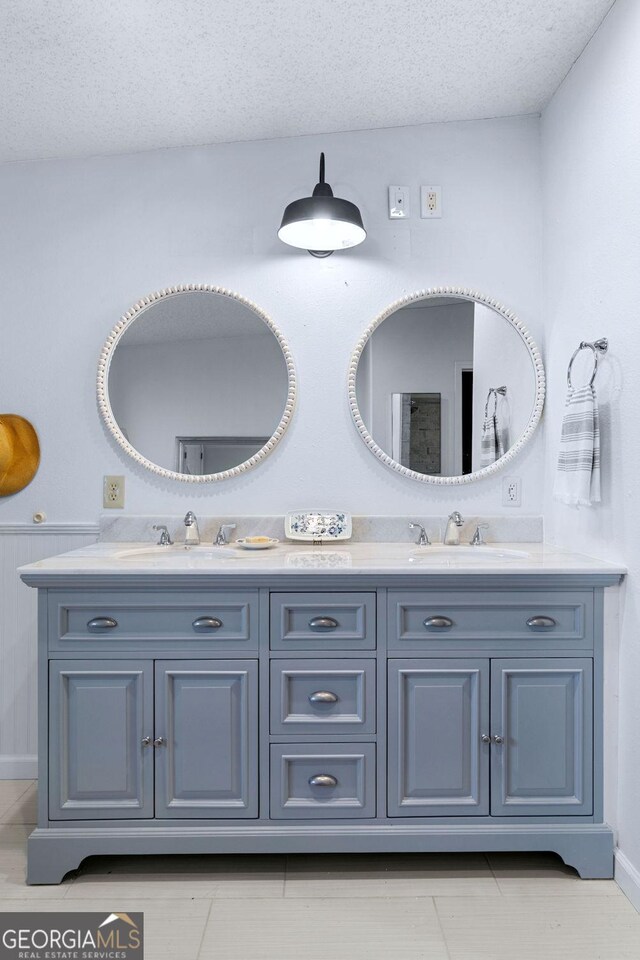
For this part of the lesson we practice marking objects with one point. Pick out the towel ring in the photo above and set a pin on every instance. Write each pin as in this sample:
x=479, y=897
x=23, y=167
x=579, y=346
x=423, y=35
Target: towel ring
x=598, y=348
x=493, y=392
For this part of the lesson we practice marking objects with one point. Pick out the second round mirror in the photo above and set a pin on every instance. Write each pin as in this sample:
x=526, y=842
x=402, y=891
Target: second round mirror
x=446, y=385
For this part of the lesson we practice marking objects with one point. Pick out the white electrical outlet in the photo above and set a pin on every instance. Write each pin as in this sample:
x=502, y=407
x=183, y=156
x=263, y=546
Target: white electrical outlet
x=511, y=492
x=430, y=203
x=399, y=208
x=113, y=493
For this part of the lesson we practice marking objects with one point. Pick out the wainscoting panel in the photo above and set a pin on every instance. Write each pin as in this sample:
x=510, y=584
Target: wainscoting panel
x=19, y=544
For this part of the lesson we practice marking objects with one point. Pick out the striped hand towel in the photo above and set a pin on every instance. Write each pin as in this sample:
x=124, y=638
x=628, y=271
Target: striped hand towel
x=494, y=442
x=578, y=472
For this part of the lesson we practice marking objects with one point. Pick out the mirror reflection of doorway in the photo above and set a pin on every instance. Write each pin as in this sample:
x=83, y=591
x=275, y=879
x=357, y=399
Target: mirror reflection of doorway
x=416, y=431
x=466, y=431
x=204, y=455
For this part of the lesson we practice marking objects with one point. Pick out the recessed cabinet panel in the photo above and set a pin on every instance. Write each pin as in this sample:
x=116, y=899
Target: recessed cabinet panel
x=323, y=696
x=425, y=619
x=99, y=713
x=438, y=712
x=201, y=621
x=323, y=621
x=206, y=714
x=543, y=711
x=321, y=781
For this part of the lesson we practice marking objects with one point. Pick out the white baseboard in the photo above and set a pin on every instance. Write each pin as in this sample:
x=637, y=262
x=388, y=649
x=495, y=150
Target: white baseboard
x=18, y=768
x=628, y=879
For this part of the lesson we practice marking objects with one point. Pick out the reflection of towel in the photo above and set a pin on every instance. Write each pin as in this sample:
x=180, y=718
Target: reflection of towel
x=578, y=472
x=493, y=442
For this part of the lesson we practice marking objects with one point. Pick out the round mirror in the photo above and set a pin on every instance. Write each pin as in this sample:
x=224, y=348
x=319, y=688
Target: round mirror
x=446, y=385
x=196, y=383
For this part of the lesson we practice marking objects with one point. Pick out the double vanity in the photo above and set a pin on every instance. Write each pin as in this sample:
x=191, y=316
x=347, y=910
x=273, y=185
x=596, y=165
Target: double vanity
x=356, y=696
x=347, y=697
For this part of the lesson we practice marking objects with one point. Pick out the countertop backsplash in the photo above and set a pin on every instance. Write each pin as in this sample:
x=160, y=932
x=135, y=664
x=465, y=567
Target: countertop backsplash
x=375, y=529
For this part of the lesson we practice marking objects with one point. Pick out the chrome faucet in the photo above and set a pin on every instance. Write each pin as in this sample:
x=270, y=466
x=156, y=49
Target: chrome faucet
x=477, y=540
x=165, y=538
x=222, y=536
x=423, y=539
x=191, y=532
x=452, y=532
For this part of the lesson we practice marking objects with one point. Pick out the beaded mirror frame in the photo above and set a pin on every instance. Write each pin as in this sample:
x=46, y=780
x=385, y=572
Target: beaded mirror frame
x=536, y=360
x=106, y=411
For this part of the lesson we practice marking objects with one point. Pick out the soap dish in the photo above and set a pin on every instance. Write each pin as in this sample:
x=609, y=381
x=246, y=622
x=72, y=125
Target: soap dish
x=315, y=525
x=257, y=543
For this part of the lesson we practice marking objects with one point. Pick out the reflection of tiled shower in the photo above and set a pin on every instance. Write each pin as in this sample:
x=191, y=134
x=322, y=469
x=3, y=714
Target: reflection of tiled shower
x=421, y=439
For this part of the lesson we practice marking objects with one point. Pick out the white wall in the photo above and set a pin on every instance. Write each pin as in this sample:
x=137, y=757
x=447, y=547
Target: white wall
x=591, y=156
x=81, y=241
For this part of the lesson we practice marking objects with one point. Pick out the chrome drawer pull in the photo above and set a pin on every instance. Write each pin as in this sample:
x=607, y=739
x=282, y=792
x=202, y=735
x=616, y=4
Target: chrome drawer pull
x=207, y=623
x=485, y=738
x=146, y=741
x=439, y=622
x=323, y=623
x=323, y=780
x=102, y=623
x=323, y=696
x=540, y=623
x=159, y=742
x=498, y=739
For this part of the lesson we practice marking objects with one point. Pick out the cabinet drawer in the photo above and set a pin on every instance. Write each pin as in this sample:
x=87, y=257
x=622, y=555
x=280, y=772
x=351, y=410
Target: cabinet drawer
x=320, y=781
x=425, y=618
x=325, y=697
x=323, y=621
x=133, y=621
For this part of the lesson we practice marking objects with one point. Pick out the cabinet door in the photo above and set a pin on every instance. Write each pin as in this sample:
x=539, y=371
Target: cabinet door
x=542, y=710
x=438, y=712
x=99, y=712
x=207, y=717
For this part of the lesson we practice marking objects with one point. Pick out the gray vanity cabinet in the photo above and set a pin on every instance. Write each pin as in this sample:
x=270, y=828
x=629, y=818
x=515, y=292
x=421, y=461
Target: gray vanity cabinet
x=206, y=717
x=110, y=757
x=506, y=737
x=542, y=711
x=99, y=712
x=319, y=713
x=438, y=713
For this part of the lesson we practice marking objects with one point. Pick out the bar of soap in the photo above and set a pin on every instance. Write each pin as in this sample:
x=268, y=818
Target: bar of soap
x=257, y=539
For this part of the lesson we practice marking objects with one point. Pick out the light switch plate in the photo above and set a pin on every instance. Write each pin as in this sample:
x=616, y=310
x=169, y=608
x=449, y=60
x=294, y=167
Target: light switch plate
x=399, y=208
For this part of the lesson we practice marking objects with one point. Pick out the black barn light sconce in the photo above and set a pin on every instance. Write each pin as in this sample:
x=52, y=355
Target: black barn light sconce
x=322, y=223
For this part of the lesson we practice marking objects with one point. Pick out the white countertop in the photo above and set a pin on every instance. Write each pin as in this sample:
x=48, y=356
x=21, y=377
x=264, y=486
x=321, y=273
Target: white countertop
x=137, y=559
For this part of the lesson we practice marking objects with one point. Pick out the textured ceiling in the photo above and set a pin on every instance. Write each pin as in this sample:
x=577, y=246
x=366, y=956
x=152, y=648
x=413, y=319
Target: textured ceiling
x=84, y=77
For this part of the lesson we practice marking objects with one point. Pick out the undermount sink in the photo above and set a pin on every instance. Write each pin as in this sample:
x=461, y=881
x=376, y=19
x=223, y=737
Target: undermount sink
x=177, y=552
x=440, y=553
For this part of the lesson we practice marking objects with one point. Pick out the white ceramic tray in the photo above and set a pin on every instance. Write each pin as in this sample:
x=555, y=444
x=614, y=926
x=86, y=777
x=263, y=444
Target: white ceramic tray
x=314, y=525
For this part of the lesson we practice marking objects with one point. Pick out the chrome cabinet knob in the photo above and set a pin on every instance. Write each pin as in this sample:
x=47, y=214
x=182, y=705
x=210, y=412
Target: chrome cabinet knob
x=440, y=623
x=146, y=741
x=541, y=623
x=323, y=780
x=207, y=623
x=485, y=738
x=498, y=739
x=323, y=623
x=102, y=623
x=323, y=696
x=159, y=742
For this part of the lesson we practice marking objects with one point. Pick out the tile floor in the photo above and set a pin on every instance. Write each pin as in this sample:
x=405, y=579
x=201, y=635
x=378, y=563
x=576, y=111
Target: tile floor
x=414, y=907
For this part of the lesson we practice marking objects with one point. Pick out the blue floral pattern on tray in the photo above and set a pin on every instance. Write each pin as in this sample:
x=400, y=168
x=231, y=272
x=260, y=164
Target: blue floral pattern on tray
x=318, y=525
